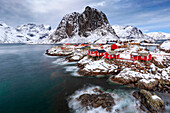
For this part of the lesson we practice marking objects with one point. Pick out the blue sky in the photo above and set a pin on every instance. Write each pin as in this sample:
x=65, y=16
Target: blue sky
x=147, y=15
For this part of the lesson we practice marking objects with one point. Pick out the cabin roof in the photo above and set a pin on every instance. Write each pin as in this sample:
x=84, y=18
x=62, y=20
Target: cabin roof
x=134, y=54
x=111, y=52
x=143, y=53
x=84, y=47
x=93, y=49
x=101, y=51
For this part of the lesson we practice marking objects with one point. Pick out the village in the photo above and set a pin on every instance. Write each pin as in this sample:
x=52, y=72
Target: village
x=125, y=51
x=128, y=63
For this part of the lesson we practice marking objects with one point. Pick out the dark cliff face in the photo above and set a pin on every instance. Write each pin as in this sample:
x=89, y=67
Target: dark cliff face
x=67, y=27
x=82, y=24
x=90, y=20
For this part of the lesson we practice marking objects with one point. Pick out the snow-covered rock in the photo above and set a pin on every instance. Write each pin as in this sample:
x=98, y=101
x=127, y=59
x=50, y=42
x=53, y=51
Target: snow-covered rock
x=157, y=80
x=57, y=51
x=76, y=56
x=89, y=26
x=29, y=33
x=96, y=67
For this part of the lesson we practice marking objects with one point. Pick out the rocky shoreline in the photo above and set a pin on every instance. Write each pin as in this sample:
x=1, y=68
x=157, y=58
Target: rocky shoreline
x=94, y=99
x=90, y=67
x=61, y=53
x=160, y=85
x=152, y=76
x=149, y=75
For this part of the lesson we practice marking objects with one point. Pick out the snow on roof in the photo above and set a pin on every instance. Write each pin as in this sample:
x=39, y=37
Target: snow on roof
x=126, y=56
x=110, y=52
x=134, y=54
x=143, y=53
x=120, y=49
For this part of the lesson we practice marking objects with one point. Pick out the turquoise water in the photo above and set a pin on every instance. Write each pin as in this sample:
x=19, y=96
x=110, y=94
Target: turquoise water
x=30, y=82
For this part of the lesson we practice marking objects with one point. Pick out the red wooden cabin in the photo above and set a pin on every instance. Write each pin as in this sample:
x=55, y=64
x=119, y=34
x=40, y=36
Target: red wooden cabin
x=100, y=52
x=82, y=44
x=92, y=52
x=68, y=44
x=96, y=52
x=76, y=45
x=149, y=57
x=134, y=56
x=112, y=55
x=113, y=46
x=63, y=47
x=145, y=56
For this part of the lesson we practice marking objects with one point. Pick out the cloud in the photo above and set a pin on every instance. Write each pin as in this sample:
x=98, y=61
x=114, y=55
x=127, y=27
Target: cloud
x=100, y=4
x=147, y=15
x=14, y=12
x=45, y=6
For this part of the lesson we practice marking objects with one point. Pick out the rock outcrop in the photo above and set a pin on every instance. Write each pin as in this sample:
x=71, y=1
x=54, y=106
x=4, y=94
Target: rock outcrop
x=55, y=51
x=152, y=102
x=98, y=99
x=90, y=67
x=75, y=57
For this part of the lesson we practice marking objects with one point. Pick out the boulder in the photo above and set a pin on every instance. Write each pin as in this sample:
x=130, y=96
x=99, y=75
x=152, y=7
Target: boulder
x=58, y=52
x=152, y=102
x=147, y=84
x=105, y=100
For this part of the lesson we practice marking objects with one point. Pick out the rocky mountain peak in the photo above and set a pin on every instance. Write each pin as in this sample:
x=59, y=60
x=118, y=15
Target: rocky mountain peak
x=82, y=25
x=90, y=20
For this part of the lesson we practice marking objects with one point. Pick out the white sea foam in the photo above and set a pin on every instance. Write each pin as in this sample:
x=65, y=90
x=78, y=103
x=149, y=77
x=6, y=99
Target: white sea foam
x=59, y=61
x=50, y=56
x=124, y=102
x=73, y=70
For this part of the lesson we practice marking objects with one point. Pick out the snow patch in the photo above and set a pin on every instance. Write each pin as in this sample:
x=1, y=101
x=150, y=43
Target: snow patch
x=156, y=97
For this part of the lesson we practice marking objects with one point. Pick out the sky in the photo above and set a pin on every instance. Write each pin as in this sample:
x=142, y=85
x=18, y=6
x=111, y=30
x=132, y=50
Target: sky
x=147, y=15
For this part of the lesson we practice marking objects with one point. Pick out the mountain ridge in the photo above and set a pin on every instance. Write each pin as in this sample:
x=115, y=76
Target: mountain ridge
x=26, y=33
x=83, y=26
x=91, y=26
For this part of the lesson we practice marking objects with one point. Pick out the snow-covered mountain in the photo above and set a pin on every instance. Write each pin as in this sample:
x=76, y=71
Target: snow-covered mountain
x=128, y=32
x=29, y=33
x=158, y=35
x=90, y=26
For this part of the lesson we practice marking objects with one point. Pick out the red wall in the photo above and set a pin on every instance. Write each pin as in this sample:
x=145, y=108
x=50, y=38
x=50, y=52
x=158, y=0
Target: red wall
x=150, y=57
x=114, y=46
